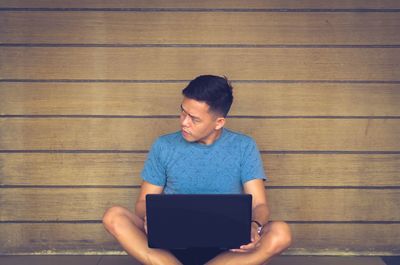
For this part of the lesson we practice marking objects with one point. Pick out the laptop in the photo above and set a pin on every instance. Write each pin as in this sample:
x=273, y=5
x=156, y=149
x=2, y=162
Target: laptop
x=198, y=220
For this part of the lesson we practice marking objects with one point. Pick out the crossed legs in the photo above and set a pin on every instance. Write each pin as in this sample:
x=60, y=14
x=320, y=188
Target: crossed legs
x=128, y=229
x=275, y=238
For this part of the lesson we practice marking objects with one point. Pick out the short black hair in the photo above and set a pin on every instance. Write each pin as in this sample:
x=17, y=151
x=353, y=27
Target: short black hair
x=214, y=90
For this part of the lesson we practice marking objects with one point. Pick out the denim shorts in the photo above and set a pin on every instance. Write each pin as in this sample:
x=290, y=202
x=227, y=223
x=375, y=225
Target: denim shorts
x=196, y=256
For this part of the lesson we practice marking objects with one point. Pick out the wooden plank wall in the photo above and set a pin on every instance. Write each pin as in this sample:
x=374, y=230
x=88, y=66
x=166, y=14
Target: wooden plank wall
x=86, y=86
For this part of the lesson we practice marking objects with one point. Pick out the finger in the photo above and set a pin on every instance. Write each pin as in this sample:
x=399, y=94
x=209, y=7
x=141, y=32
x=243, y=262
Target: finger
x=145, y=226
x=238, y=250
x=243, y=248
x=248, y=246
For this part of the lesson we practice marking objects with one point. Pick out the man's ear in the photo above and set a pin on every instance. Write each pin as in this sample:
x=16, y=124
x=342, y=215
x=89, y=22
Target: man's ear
x=220, y=122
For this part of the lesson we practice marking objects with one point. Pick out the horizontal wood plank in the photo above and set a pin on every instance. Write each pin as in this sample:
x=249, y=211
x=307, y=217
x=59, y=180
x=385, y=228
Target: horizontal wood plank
x=339, y=239
x=201, y=4
x=138, y=134
x=329, y=170
x=44, y=204
x=172, y=63
x=332, y=170
x=71, y=169
x=91, y=98
x=317, y=239
x=251, y=99
x=62, y=204
x=200, y=28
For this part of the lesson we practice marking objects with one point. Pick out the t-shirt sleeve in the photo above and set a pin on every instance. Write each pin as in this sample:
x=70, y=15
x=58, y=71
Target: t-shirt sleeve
x=154, y=169
x=252, y=165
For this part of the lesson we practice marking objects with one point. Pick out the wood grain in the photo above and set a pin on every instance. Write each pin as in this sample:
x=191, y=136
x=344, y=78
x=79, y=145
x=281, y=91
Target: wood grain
x=45, y=204
x=71, y=169
x=210, y=28
x=119, y=169
x=389, y=4
x=63, y=203
x=315, y=239
x=138, y=134
x=329, y=73
x=252, y=99
x=172, y=63
x=339, y=239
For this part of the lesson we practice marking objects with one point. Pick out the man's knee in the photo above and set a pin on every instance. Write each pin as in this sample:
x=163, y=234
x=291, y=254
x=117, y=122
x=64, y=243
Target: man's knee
x=112, y=216
x=282, y=235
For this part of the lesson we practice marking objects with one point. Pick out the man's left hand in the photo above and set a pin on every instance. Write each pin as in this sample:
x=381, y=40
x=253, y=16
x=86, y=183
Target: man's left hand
x=254, y=243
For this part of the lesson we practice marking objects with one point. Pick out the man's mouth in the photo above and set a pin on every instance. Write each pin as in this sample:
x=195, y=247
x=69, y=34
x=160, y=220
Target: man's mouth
x=186, y=132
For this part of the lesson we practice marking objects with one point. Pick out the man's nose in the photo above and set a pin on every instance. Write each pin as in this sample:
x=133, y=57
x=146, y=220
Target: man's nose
x=185, y=121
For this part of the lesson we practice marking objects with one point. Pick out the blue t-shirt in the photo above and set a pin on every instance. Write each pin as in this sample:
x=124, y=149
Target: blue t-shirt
x=183, y=167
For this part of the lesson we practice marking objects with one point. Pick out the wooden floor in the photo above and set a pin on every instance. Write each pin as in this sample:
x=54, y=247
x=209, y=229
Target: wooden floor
x=125, y=260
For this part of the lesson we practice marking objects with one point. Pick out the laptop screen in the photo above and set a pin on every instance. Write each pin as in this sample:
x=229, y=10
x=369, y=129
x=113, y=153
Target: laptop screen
x=207, y=220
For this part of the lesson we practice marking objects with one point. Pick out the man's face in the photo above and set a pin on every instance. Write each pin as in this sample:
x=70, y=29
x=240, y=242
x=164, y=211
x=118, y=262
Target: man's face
x=198, y=124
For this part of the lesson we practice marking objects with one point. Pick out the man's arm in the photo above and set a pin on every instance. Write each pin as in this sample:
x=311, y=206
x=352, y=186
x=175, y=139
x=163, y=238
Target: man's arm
x=260, y=213
x=146, y=188
x=256, y=188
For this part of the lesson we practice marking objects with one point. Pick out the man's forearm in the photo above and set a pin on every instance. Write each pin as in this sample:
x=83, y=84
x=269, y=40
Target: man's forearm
x=261, y=214
x=140, y=209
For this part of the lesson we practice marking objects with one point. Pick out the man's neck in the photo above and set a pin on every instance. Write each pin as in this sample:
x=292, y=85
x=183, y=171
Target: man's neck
x=211, y=138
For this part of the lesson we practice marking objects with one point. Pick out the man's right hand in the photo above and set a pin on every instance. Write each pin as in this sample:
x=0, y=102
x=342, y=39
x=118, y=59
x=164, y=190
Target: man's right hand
x=145, y=223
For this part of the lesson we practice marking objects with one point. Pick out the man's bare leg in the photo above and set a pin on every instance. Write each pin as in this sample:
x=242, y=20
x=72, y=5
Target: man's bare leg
x=275, y=238
x=128, y=229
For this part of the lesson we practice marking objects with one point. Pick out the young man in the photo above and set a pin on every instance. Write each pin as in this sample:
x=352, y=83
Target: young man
x=202, y=157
